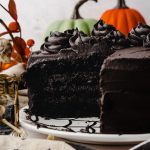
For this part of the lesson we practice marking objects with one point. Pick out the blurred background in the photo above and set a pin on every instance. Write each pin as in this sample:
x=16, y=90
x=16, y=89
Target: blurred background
x=36, y=15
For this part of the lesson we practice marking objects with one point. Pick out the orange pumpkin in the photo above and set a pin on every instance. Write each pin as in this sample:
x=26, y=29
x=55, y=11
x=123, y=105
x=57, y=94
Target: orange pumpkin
x=123, y=17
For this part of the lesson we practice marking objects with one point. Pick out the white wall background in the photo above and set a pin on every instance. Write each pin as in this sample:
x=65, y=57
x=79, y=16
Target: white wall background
x=36, y=15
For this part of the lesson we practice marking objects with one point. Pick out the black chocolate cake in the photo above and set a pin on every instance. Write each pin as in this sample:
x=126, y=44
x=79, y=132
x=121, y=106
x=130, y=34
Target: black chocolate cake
x=63, y=77
x=125, y=86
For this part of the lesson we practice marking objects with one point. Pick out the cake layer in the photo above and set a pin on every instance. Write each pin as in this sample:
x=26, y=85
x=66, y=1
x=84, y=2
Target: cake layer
x=125, y=113
x=84, y=90
x=65, y=110
x=125, y=81
x=72, y=63
x=71, y=79
x=131, y=81
x=81, y=97
x=130, y=59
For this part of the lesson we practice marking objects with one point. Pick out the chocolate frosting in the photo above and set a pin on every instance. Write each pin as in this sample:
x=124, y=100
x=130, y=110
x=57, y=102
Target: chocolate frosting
x=101, y=29
x=83, y=44
x=58, y=41
x=80, y=38
x=55, y=42
x=70, y=32
x=109, y=32
x=137, y=34
x=146, y=42
x=117, y=39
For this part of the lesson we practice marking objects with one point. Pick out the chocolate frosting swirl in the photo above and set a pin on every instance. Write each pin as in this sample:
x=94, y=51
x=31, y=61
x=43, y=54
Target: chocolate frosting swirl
x=137, y=34
x=55, y=42
x=78, y=39
x=146, y=42
x=104, y=31
x=117, y=39
x=101, y=29
x=82, y=43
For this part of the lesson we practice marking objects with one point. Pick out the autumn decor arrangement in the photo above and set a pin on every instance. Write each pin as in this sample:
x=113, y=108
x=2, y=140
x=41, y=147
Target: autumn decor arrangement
x=16, y=47
x=76, y=21
x=13, y=51
x=123, y=17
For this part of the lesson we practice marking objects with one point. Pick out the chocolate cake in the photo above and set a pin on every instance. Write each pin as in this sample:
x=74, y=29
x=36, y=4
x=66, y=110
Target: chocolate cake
x=125, y=80
x=63, y=77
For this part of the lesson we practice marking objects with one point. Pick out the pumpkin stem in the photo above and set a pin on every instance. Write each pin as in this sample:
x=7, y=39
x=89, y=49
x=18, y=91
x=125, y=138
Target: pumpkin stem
x=121, y=4
x=76, y=14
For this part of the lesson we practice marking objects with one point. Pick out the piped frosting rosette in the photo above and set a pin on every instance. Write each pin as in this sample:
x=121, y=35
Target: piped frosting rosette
x=55, y=42
x=104, y=31
x=138, y=34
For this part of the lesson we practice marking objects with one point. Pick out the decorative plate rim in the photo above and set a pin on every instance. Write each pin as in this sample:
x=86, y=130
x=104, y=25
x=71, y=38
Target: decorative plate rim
x=108, y=139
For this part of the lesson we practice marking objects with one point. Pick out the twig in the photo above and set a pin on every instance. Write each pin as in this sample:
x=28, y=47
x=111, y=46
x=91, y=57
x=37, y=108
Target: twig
x=11, y=126
x=4, y=8
x=4, y=33
x=0, y=66
x=13, y=18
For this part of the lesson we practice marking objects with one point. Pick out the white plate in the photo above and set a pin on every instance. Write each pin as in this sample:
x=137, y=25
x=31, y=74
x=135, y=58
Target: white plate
x=57, y=127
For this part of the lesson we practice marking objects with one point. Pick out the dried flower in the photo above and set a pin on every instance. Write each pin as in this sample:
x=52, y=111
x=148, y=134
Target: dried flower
x=21, y=49
x=5, y=50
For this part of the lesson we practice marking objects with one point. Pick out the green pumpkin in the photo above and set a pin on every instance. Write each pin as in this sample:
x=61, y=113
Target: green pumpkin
x=85, y=25
x=76, y=21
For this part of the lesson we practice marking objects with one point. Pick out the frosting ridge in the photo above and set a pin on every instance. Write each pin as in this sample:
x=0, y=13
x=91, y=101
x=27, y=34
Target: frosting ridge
x=137, y=34
x=117, y=39
x=79, y=38
x=101, y=29
x=55, y=42
x=105, y=31
x=146, y=42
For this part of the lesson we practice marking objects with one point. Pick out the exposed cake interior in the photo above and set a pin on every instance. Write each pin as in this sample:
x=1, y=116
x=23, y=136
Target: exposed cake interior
x=63, y=77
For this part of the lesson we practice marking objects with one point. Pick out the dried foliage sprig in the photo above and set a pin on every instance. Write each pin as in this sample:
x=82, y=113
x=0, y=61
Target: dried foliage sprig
x=21, y=48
